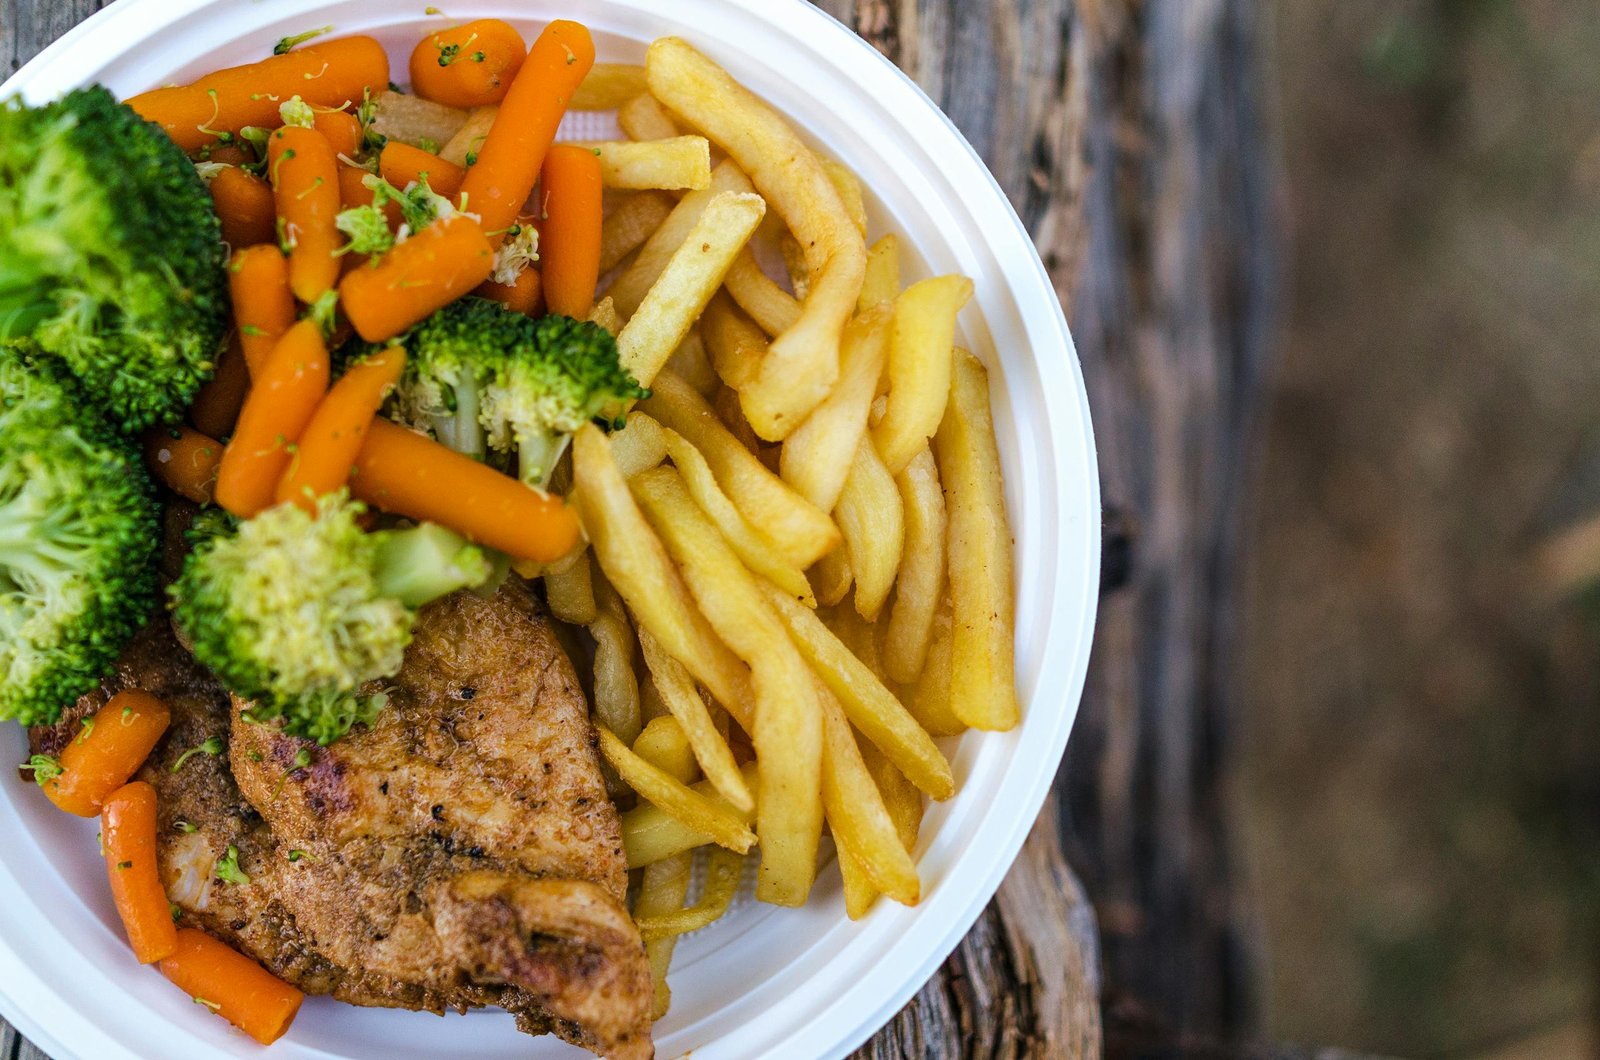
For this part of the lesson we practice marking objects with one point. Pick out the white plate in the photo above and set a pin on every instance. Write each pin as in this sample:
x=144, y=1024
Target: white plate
x=765, y=982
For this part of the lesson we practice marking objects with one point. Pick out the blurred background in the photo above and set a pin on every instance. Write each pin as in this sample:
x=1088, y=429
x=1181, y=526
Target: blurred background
x=1420, y=797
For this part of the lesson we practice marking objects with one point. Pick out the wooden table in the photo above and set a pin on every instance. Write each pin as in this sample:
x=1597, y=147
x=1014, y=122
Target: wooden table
x=1128, y=134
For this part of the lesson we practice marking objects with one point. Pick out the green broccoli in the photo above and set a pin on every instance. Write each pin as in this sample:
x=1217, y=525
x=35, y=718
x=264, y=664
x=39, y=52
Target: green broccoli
x=78, y=542
x=297, y=612
x=110, y=254
x=490, y=382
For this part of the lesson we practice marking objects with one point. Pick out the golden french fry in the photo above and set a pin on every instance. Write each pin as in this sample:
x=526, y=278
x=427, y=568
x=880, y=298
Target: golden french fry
x=752, y=549
x=691, y=363
x=983, y=689
x=800, y=531
x=415, y=121
x=856, y=813
x=663, y=743
x=733, y=340
x=831, y=576
x=661, y=790
x=794, y=259
x=857, y=634
x=817, y=457
x=608, y=86
x=691, y=718
x=468, y=140
x=725, y=403
x=883, y=274
x=871, y=707
x=616, y=689
x=803, y=362
x=769, y=305
x=921, y=580
x=636, y=564
x=724, y=869
x=643, y=118
x=651, y=705
x=639, y=446
x=650, y=834
x=693, y=275
x=859, y=893
x=569, y=591
x=919, y=366
x=682, y=163
x=604, y=313
x=662, y=892
x=870, y=517
x=630, y=289
x=630, y=224
x=904, y=803
x=928, y=699
x=848, y=185
x=787, y=724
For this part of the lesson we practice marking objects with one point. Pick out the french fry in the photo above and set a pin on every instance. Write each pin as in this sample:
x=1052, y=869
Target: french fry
x=630, y=289
x=630, y=224
x=616, y=689
x=794, y=259
x=682, y=163
x=921, y=580
x=663, y=744
x=662, y=891
x=463, y=147
x=692, y=364
x=817, y=457
x=803, y=362
x=569, y=590
x=856, y=813
x=650, y=834
x=608, y=86
x=712, y=817
x=983, y=690
x=800, y=531
x=831, y=577
x=928, y=699
x=604, y=313
x=637, y=566
x=414, y=120
x=643, y=118
x=725, y=403
x=691, y=277
x=882, y=283
x=639, y=446
x=859, y=635
x=689, y=714
x=871, y=707
x=769, y=305
x=734, y=341
x=723, y=871
x=848, y=185
x=651, y=705
x=919, y=366
x=871, y=518
x=904, y=803
x=755, y=551
x=787, y=723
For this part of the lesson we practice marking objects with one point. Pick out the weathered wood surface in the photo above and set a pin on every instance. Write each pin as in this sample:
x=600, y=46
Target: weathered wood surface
x=1127, y=133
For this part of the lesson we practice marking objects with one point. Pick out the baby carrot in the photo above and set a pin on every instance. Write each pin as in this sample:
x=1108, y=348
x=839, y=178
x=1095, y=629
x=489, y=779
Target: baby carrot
x=217, y=404
x=508, y=164
x=353, y=191
x=329, y=444
x=282, y=398
x=263, y=305
x=185, y=464
x=326, y=74
x=109, y=749
x=305, y=185
x=245, y=207
x=467, y=66
x=128, y=833
x=401, y=471
x=232, y=985
x=431, y=269
x=400, y=164
x=526, y=295
x=569, y=236
x=341, y=129
x=235, y=154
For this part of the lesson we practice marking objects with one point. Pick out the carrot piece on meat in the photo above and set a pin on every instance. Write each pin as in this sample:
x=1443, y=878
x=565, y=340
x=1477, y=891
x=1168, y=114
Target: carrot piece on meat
x=244, y=206
x=332, y=440
x=305, y=185
x=569, y=236
x=109, y=749
x=183, y=460
x=525, y=295
x=467, y=66
x=128, y=832
x=232, y=985
x=263, y=304
x=431, y=269
x=281, y=402
x=400, y=164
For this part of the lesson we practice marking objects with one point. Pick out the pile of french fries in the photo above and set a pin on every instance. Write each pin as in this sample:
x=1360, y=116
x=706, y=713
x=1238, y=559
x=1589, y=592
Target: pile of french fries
x=798, y=571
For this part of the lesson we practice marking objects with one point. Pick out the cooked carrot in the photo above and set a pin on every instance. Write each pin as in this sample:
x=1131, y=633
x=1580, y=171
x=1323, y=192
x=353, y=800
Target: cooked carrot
x=232, y=985
x=282, y=398
x=219, y=400
x=401, y=471
x=305, y=185
x=229, y=154
x=109, y=749
x=128, y=834
x=326, y=74
x=341, y=129
x=508, y=163
x=263, y=304
x=526, y=295
x=467, y=66
x=400, y=164
x=431, y=269
x=244, y=206
x=353, y=191
x=569, y=237
x=329, y=444
x=185, y=464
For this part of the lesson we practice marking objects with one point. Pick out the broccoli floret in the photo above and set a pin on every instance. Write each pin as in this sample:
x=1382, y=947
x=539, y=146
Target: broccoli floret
x=490, y=382
x=78, y=542
x=297, y=612
x=110, y=254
